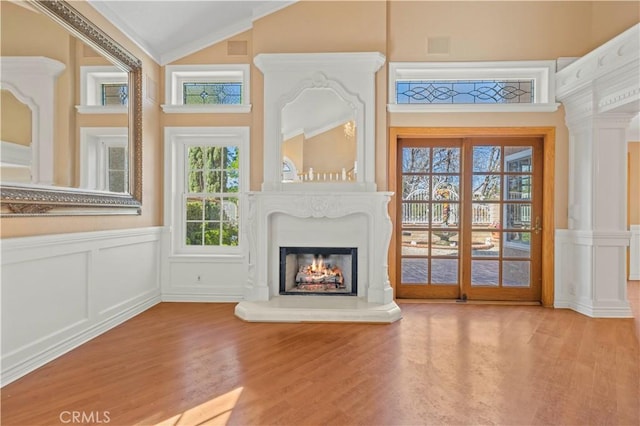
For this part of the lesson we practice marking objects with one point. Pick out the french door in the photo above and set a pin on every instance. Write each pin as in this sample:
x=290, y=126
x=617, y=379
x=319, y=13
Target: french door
x=469, y=218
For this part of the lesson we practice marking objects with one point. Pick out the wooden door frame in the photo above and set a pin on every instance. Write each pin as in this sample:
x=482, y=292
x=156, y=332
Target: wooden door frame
x=548, y=134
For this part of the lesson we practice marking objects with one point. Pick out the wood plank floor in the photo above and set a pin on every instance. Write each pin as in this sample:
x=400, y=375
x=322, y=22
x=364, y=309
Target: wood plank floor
x=452, y=364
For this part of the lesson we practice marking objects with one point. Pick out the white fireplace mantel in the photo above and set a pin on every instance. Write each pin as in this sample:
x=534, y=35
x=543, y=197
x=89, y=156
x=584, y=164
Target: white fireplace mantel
x=327, y=219
x=338, y=213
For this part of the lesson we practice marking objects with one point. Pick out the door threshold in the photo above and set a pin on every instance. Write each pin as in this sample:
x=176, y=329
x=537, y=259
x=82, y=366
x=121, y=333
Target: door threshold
x=471, y=302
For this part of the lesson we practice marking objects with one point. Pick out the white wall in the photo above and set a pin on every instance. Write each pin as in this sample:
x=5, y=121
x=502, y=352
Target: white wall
x=60, y=291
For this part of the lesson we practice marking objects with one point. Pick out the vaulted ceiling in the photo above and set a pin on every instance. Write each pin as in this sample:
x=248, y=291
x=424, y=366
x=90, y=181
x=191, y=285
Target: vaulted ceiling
x=169, y=30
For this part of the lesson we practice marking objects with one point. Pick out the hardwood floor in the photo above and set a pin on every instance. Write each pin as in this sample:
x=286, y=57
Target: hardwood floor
x=180, y=363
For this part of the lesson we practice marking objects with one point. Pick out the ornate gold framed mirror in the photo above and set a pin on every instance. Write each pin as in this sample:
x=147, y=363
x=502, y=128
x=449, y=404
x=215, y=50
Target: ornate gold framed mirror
x=43, y=192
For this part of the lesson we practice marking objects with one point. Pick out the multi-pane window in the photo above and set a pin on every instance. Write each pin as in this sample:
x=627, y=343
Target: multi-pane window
x=206, y=179
x=216, y=93
x=211, y=197
x=104, y=159
x=117, y=170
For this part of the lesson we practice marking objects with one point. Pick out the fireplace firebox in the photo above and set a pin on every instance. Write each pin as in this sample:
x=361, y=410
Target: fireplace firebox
x=319, y=270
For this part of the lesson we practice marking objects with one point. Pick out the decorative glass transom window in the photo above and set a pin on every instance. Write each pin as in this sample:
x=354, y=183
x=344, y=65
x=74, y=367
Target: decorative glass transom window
x=103, y=89
x=208, y=178
x=471, y=86
x=465, y=91
x=212, y=93
x=115, y=94
x=207, y=88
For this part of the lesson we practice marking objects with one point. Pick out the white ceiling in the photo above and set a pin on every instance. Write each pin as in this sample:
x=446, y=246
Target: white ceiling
x=168, y=30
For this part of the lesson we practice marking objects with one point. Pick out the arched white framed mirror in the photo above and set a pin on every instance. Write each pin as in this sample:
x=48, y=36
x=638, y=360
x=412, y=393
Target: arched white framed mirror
x=319, y=132
x=327, y=96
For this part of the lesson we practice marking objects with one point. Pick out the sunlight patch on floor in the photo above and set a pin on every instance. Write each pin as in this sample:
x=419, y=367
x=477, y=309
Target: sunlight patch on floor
x=216, y=411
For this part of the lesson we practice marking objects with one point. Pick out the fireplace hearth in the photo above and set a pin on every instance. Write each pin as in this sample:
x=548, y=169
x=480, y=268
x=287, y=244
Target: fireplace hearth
x=319, y=271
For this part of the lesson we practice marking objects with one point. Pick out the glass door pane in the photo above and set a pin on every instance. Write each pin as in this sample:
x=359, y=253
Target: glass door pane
x=502, y=217
x=469, y=218
x=429, y=228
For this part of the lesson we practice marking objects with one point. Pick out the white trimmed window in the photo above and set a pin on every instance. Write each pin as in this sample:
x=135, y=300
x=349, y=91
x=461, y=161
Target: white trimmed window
x=103, y=90
x=207, y=88
x=208, y=179
x=472, y=86
x=105, y=159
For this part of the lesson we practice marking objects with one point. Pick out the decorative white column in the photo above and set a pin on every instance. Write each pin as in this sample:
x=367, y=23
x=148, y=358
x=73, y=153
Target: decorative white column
x=601, y=94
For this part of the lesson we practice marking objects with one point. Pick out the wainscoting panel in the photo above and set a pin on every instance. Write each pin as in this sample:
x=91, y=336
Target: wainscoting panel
x=56, y=289
x=584, y=258
x=204, y=278
x=120, y=284
x=59, y=291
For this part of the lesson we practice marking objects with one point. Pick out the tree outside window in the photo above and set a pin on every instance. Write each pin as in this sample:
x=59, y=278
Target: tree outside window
x=212, y=196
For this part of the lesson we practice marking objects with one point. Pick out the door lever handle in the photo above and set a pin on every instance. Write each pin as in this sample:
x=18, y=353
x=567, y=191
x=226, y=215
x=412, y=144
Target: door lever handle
x=537, y=228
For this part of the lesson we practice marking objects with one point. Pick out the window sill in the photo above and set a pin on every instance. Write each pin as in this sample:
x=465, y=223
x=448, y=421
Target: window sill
x=435, y=108
x=206, y=109
x=102, y=109
x=214, y=257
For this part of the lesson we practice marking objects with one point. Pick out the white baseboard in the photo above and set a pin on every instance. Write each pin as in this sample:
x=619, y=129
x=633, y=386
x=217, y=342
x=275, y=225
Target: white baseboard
x=197, y=298
x=595, y=312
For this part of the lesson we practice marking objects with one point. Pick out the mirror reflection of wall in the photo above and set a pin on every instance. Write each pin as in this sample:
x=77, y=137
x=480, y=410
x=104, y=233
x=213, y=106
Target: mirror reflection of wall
x=319, y=138
x=327, y=154
x=15, y=139
x=90, y=91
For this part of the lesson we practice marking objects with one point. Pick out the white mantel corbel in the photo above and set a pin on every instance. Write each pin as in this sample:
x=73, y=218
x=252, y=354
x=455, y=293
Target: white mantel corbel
x=601, y=94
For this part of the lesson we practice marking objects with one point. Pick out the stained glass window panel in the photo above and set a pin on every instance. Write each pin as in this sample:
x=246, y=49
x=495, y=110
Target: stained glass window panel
x=216, y=93
x=465, y=91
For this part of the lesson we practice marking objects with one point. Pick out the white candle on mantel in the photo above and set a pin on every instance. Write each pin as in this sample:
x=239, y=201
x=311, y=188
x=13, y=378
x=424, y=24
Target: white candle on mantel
x=310, y=173
x=344, y=174
x=355, y=167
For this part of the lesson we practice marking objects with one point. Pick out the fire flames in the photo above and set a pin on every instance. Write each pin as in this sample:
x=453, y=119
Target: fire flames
x=318, y=265
x=319, y=272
